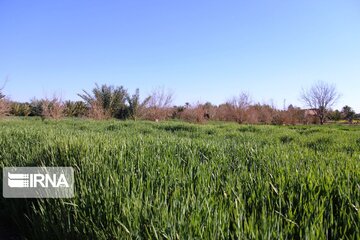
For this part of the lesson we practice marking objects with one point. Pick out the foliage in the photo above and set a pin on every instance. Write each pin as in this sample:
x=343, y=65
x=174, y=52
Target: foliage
x=106, y=102
x=4, y=107
x=348, y=113
x=36, y=108
x=2, y=95
x=4, y=104
x=144, y=180
x=20, y=109
x=75, y=109
x=52, y=108
x=158, y=106
x=335, y=115
x=44, y=108
x=136, y=107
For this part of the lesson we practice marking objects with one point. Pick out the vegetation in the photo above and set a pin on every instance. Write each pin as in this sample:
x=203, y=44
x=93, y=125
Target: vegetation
x=136, y=108
x=348, y=113
x=106, y=101
x=320, y=97
x=1, y=95
x=172, y=180
x=75, y=109
x=4, y=104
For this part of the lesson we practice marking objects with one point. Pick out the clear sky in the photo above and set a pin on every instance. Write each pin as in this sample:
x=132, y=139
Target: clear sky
x=203, y=50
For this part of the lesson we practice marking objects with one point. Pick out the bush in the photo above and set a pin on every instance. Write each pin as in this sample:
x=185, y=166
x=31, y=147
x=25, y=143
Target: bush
x=20, y=109
x=193, y=114
x=75, y=109
x=106, y=102
x=52, y=108
x=4, y=107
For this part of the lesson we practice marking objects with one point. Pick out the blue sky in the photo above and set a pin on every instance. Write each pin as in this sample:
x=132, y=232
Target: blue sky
x=201, y=50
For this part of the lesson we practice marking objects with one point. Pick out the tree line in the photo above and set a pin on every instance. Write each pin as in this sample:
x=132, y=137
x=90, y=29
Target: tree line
x=106, y=101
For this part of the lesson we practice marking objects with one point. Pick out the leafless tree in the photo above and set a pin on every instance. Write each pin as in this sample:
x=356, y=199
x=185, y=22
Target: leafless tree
x=160, y=98
x=238, y=106
x=52, y=107
x=4, y=103
x=193, y=113
x=320, y=97
x=242, y=101
x=4, y=107
x=159, y=105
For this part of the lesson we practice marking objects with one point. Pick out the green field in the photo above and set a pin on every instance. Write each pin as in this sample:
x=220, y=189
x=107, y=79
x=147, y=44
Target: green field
x=173, y=180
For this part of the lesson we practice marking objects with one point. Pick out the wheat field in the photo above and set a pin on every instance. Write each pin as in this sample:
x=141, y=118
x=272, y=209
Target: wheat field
x=174, y=180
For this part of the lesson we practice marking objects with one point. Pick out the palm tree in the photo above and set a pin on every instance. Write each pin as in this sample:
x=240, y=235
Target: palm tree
x=106, y=101
x=135, y=106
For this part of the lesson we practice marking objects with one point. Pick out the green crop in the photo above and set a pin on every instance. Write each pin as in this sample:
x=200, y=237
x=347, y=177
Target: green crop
x=173, y=180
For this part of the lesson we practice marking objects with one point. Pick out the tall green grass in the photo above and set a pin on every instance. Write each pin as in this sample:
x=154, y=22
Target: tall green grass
x=171, y=180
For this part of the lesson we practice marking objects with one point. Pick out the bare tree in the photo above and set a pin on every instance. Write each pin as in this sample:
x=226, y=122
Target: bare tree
x=238, y=106
x=158, y=106
x=4, y=107
x=52, y=107
x=242, y=101
x=160, y=98
x=4, y=103
x=193, y=113
x=320, y=97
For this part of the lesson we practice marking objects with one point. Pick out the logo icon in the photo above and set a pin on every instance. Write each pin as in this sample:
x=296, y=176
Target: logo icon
x=18, y=180
x=38, y=182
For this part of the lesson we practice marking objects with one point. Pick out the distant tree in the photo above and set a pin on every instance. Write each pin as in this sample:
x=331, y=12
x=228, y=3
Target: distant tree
x=320, y=97
x=209, y=110
x=290, y=107
x=106, y=101
x=52, y=107
x=136, y=107
x=44, y=108
x=176, y=111
x=1, y=91
x=195, y=113
x=159, y=105
x=238, y=106
x=357, y=116
x=294, y=115
x=4, y=103
x=20, y=109
x=159, y=98
x=262, y=113
x=75, y=109
x=348, y=113
x=36, y=108
x=335, y=115
x=242, y=101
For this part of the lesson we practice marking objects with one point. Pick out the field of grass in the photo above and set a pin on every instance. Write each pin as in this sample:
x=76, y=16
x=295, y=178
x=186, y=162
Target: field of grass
x=172, y=180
